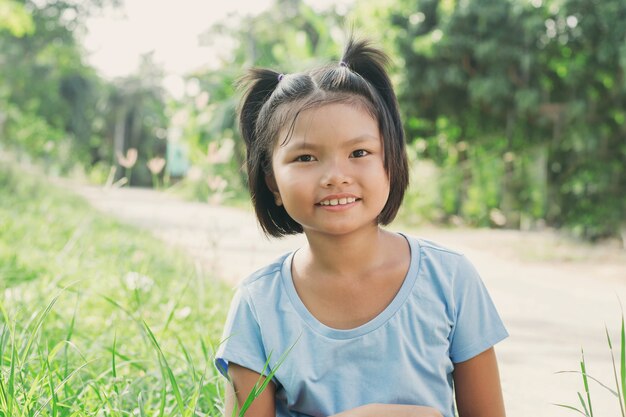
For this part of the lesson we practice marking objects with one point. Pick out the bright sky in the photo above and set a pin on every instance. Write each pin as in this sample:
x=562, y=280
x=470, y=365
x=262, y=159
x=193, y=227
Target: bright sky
x=170, y=28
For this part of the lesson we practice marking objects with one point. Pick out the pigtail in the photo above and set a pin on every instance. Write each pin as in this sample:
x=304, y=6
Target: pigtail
x=258, y=85
x=367, y=61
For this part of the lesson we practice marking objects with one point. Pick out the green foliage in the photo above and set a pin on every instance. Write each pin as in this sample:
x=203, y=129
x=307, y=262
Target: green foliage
x=94, y=319
x=79, y=119
x=30, y=132
x=421, y=203
x=15, y=19
x=520, y=104
x=44, y=81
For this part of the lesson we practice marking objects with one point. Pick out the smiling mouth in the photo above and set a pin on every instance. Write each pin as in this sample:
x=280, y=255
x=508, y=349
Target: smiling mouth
x=338, y=201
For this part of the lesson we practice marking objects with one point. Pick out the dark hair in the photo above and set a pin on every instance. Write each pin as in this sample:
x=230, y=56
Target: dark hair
x=273, y=101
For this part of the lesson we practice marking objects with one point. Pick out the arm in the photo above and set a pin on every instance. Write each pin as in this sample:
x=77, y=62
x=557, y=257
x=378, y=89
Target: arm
x=243, y=380
x=477, y=386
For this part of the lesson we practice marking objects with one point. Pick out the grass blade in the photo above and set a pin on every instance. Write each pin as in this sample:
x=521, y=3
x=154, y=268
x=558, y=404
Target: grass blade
x=162, y=405
x=623, y=363
x=582, y=401
x=170, y=316
x=3, y=396
x=611, y=390
x=140, y=406
x=187, y=358
x=585, y=381
x=137, y=364
x=38, y=323
x=3, y=342
x=113, y=367
x=617, y=385
x=118, y=305
x=68, y=338
x=571, y=408
x=70, y=330
x=258, y=389
x=165, y=366
x=11, y=387
x=53, y=394
x=30, y=397
x=205, y=350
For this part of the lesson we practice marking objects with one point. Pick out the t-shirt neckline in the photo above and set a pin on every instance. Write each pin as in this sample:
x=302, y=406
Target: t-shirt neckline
x=389, y=311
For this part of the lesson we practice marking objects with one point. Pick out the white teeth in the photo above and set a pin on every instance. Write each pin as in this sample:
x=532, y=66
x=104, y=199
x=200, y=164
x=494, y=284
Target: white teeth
x=338, y=202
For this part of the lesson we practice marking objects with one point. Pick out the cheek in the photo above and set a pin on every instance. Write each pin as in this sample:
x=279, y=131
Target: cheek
x=292, y=184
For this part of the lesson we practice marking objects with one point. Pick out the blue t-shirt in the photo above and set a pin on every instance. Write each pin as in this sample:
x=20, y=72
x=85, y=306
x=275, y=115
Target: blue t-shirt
x=441, y=315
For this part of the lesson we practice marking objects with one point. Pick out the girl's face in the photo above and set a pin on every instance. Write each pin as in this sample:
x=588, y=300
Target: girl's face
x=329, y=175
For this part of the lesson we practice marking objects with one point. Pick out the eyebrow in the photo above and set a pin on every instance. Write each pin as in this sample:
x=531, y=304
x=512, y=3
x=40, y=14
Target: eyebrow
x=366, y=137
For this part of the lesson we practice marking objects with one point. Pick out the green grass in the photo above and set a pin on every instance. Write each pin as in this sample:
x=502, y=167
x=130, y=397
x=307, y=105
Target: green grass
x=98, y=318
x=619, y=379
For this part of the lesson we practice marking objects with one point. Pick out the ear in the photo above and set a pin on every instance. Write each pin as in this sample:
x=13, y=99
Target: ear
x=270, y=181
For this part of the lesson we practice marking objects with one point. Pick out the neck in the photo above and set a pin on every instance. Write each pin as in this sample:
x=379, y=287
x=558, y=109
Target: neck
x=348, y=255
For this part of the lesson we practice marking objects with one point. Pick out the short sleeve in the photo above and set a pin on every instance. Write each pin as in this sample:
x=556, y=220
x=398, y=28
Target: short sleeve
x=477, y=325
x=241, y=341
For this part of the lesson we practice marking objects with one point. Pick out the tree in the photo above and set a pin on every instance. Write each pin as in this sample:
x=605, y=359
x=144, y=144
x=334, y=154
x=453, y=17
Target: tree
x=45, y=82
x=136, y=118
x=587, y=74
x=521, y=103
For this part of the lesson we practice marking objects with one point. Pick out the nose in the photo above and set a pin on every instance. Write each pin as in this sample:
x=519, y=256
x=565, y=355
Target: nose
x=336, y=173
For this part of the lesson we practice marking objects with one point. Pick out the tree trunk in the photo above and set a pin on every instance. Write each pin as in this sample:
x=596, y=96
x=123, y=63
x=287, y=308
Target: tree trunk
x=118, y=139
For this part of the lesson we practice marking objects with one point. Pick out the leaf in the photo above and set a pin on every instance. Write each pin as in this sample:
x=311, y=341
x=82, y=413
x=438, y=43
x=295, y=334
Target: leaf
x=166, y=368
x=38, y=323
x=162, y=405
x=187, y=358
x=582, y=401
x=258, y=389
x=616, y=393
x=11, y=388
x=54, y=397
x=113, y=370
x=612, y=391
x=623, y=363
x=586, y=382
x=113, y=364
x=571, y=408
x=142, y=411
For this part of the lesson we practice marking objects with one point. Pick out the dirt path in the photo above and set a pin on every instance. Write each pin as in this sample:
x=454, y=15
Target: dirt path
x=554, y=296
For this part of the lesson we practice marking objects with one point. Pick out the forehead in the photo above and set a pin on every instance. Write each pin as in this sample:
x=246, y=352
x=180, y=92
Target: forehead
x=336, y=116
x=353, y=117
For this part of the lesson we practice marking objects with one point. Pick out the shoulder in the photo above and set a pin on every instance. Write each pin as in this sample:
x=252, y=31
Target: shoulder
x=266, y=278
x=435, y=249
x=435, y=253
x=444, y=267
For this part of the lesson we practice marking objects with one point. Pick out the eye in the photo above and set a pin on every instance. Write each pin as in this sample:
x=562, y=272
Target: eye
x=305, y=158
x=359, y=153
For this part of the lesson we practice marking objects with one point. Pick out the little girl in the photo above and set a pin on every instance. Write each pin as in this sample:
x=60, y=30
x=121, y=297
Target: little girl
x=369, y=322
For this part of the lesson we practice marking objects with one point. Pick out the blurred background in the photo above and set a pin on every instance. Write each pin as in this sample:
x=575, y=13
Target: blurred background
x=515, y=110
x=515, y=114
